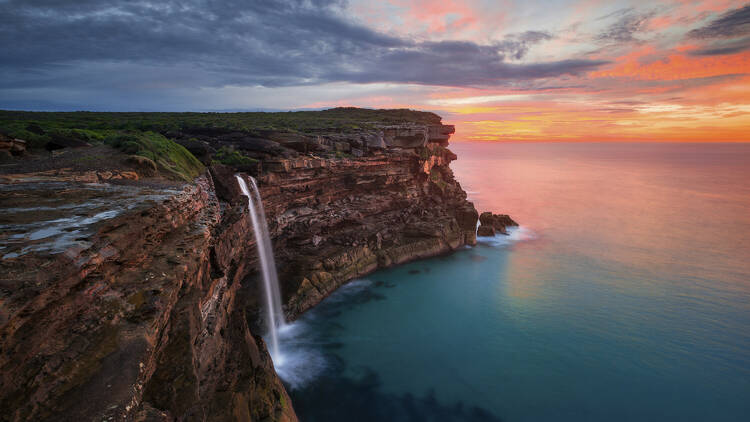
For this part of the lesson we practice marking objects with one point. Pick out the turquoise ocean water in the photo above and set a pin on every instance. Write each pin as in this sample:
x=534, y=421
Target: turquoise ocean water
x=624, y=296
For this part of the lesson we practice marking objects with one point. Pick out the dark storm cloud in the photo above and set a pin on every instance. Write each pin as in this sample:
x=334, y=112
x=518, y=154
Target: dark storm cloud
x=628, y=24
x=734, y=23
x=727, y=34
x=721, y=48
x=210, y=43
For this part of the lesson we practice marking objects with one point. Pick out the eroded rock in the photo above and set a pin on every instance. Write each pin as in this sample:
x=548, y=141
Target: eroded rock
x=499, y=222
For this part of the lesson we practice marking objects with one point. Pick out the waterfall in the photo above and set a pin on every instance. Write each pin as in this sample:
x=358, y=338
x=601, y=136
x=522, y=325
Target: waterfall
x=274, y=316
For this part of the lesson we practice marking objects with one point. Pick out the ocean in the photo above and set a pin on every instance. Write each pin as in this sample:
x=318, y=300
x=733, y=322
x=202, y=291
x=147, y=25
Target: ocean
x=623, y=296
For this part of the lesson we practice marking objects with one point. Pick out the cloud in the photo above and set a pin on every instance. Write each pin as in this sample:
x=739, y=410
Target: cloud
x=628, y=24
x=517, y=45
x=734, y=23
x=727, y=34
x=126, y=47
x=723, y=47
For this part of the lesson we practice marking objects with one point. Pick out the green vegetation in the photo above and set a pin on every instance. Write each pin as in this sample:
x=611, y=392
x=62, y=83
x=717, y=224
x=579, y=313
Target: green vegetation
x=232, y=157
x=146, y=134
x=168, y=155
x=38, y=125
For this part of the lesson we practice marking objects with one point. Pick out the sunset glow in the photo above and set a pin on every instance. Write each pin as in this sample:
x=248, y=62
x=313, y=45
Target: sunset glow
x=573, y=70
x=677, y=71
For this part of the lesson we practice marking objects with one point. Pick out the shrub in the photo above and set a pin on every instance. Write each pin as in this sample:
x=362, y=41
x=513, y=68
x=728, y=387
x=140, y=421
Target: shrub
x=234, y=158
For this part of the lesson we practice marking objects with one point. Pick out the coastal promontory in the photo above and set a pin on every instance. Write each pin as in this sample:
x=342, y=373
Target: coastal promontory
x=130, y=280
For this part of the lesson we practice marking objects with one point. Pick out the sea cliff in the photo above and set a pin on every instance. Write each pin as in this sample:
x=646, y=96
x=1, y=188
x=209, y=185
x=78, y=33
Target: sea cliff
x=129, y=287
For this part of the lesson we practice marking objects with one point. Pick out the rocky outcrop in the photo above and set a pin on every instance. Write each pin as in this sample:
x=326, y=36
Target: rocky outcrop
x=494, y=223
x=11, y=147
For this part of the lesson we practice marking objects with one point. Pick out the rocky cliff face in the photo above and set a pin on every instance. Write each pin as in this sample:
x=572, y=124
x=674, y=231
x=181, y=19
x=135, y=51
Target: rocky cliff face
x=336, y=220
x=141, y=317
x=146, y=309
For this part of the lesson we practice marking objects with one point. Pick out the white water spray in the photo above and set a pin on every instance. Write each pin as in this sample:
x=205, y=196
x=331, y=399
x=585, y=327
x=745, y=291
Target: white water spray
x=274, y=317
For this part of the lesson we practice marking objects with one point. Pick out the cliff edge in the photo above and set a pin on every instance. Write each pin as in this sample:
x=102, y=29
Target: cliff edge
x=129, y=287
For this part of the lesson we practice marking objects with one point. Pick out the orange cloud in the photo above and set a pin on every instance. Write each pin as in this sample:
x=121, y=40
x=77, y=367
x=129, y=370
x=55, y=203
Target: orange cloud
x=647, y=65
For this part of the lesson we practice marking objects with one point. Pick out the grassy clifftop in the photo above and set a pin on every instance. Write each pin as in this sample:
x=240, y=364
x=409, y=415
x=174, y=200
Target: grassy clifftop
x=152, y=135
x=39, y=127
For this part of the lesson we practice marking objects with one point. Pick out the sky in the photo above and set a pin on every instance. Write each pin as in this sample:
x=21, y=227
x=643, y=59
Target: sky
x=552, y=70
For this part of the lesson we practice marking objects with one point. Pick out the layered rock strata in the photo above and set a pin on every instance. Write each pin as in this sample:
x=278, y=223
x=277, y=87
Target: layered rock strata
x=143, y=317
x=148, y=308
x=334, y=220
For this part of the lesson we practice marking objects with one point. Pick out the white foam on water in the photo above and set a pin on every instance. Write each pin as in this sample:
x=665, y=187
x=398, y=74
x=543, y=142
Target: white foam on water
x=302, y=360
x=515, y=234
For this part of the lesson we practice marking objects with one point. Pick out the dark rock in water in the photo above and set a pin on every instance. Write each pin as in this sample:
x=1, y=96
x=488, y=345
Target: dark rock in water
x=412, y=272
x=486, y=231
x=478, y=258
x=497, y=221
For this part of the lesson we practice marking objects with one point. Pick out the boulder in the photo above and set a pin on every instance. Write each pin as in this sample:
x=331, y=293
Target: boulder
x=12, y=146
x=486, y=231
x=143, y=165
x=225, y=184
x=497, y=221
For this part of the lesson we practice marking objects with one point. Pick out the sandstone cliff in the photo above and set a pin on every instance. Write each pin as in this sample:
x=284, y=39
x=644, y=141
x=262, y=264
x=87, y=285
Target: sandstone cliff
x=137, y=298
x=142, y=318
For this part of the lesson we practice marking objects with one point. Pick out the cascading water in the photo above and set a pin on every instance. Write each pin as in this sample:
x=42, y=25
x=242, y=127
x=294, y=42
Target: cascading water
x=275, y=318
